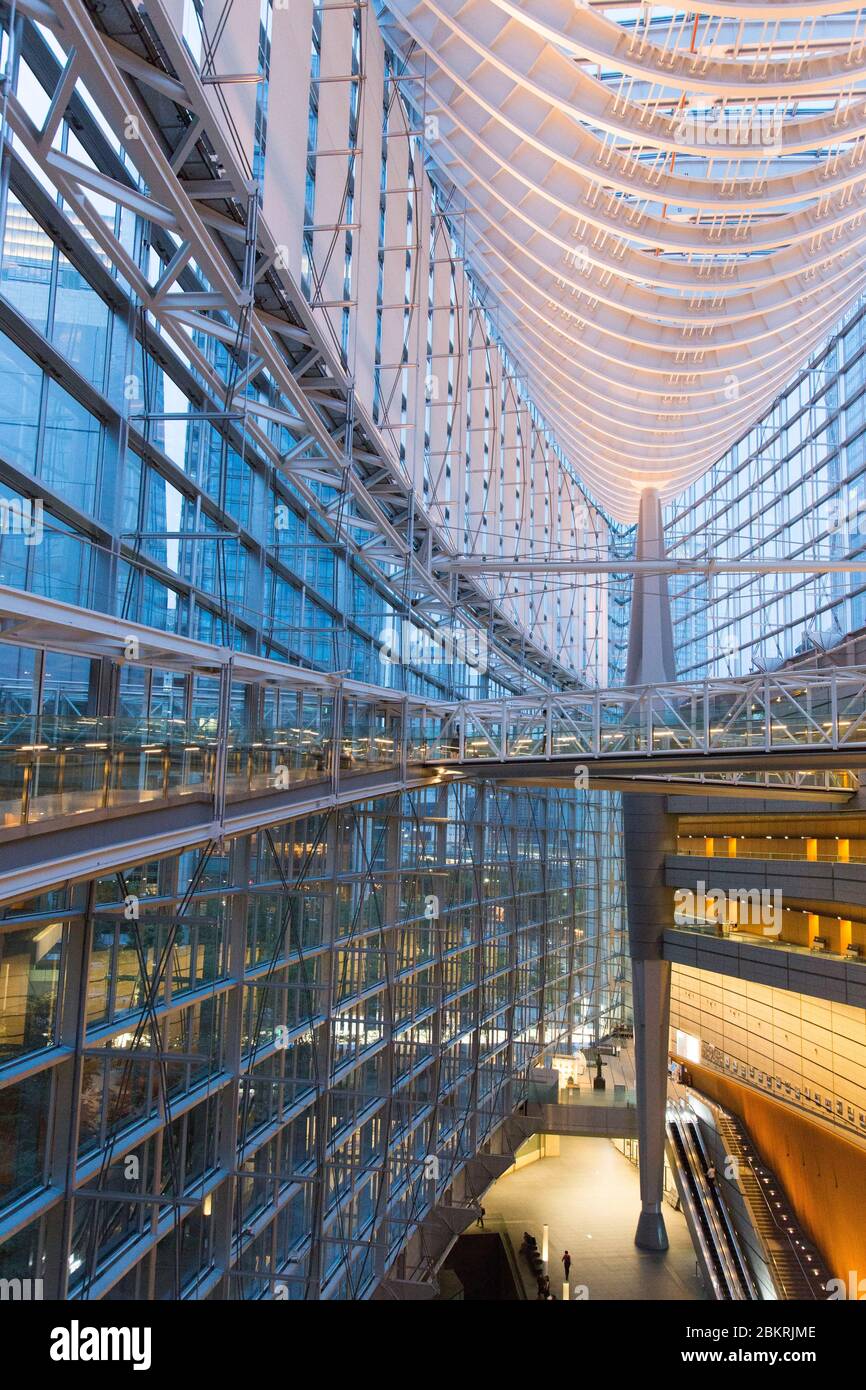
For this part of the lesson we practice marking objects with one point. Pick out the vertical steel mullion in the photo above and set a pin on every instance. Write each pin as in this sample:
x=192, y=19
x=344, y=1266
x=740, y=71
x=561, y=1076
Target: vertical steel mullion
x=229, y=1100
x=338, y=713
x=66, y=1093
x=404, y=740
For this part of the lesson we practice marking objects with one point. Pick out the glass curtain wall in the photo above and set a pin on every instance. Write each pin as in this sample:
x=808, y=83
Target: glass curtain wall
x=222, y=1073
x=242, y=1082
x=794, y=487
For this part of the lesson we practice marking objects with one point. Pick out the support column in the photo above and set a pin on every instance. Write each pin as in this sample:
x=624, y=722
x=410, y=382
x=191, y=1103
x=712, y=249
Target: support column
x=649, y=833
x=647, y=837
x=650, y=635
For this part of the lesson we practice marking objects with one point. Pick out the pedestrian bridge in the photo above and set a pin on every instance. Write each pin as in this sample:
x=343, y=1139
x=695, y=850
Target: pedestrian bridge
x=586, y=1117
x=782, y=720
x=279, y=741
x=581, y=1109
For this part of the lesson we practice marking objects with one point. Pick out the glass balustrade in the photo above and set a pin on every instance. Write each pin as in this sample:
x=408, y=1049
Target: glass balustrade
x=430, y=737
x=752, y=937
x=852, y=854
x=61, y=767
x=68, y=767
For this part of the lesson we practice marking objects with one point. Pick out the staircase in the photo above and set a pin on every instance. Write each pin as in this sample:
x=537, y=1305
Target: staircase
x=797, y=1269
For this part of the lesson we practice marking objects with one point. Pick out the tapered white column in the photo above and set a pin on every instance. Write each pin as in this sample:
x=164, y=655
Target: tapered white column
x=649, y=833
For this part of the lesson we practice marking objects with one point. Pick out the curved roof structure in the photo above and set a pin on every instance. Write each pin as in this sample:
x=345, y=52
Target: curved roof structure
x=667, y=206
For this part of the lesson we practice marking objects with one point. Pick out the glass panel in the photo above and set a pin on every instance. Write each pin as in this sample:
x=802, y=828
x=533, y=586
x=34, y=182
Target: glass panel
x=71, y=449
x=80, y=328
x=28, y=253
x=30, y=963
x=20, y=392
x=24, y=1124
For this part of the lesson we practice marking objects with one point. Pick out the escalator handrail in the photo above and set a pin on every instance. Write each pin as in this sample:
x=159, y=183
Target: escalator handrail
x=709, y=1198
x=717, y=1239
x=743, y=1270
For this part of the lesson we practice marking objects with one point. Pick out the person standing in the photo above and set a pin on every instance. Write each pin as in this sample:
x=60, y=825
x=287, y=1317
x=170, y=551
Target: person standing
x=481, y=1215
x=566, y=1264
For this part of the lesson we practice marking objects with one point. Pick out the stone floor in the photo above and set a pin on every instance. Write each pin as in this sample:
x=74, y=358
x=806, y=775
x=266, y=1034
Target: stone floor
x=589, y=1198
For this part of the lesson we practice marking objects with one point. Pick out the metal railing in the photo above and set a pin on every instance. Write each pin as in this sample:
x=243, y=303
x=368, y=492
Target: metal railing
x=767, y=713
x=729, y=932
x=787, y=856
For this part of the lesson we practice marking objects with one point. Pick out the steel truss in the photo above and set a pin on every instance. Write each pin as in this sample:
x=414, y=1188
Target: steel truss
x=200, y=206
x=769, y=715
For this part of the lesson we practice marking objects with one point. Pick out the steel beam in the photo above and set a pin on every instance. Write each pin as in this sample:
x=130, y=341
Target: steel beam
x=478, y=564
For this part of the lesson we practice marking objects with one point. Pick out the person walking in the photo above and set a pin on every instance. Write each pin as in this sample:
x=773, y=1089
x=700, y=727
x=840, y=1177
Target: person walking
x=566, y=1264
x=481, y=1215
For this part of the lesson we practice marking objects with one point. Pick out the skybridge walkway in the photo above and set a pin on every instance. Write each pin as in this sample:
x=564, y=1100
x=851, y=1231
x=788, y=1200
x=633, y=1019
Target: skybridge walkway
x=784, y=720
x=83, y=791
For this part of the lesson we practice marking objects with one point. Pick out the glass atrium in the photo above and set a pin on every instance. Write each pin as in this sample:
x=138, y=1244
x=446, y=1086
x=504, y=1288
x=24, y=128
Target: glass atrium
x=432, y=543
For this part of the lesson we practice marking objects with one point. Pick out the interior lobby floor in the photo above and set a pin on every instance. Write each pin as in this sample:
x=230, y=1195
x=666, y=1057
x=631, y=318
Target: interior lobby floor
x=589, y=1197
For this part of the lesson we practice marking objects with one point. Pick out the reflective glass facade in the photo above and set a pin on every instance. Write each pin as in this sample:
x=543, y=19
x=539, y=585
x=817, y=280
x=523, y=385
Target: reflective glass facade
x=793, y=488
x=257, y=1051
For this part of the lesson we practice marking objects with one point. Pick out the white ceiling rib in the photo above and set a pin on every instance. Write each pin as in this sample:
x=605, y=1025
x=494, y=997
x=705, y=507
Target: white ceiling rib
x=667, y=206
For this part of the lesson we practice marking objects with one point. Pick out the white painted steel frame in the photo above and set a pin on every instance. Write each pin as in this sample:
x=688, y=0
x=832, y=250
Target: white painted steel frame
x=319, y=390
x=659, y=283
x=633, y=720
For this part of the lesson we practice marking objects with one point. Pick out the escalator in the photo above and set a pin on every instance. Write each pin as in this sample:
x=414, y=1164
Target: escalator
x=716, y=1243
